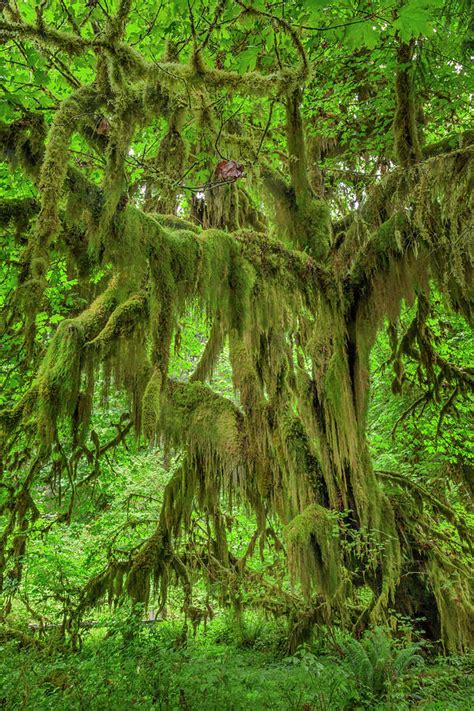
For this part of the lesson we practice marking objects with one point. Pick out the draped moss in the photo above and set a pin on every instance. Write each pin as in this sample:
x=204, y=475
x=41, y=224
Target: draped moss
x=296, y=300
x=313, y=550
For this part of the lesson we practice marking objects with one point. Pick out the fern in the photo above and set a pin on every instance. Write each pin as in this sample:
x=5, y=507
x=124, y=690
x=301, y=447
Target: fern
x=406, y=658
x=376, y=663
x=359, y=663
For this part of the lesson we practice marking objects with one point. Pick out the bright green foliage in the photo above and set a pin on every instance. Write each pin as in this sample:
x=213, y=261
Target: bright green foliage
x=350, y=202
x=144, y=665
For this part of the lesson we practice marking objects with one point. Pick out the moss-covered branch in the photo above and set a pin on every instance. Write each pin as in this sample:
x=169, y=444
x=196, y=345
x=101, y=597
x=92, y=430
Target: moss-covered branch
x=407, y=144
x=195, y=74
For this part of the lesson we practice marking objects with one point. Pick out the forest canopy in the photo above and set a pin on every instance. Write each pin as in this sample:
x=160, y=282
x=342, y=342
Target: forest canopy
x=237, y=241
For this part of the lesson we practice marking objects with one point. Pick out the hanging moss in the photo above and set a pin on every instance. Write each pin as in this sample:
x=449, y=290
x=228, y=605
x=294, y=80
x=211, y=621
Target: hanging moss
x=19, y=212
x=169, y=165
x=151, y=406
x=300, y=215
x=121, y=322
x=55, y=162
x=59, y=376
x=211, y=353
x=313, y=551
x=149, y=564
x=115, y=183
x=208, y=424
x=405, y=129
x=300, y=322
x=453, y=594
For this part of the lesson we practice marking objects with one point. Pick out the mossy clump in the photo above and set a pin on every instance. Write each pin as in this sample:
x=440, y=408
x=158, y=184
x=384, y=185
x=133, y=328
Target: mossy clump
x=151, y=405
x=313, y=551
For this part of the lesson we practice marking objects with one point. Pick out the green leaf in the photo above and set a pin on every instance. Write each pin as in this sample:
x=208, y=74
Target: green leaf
x=247, y=59
x=361, y=35
x=414, y=19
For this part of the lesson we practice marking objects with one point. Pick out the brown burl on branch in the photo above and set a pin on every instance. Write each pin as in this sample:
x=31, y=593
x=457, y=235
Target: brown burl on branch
x=102, y=126
x=228, y=170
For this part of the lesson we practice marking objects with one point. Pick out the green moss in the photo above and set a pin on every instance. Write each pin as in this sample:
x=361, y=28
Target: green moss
x=313, y=551
x=407, y=145
x=300, y=323
x=212, y=351
x=59, y=376
x=121, y=322
x=169, y=165
x=55, y=162
x=207, y=424
x=249, y=84
x=19, y=212
x=173, y=222
x=453, y=594
x=151, y=406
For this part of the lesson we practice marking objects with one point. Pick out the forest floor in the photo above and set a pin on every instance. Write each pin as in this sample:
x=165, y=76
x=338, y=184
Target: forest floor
x=231, y=668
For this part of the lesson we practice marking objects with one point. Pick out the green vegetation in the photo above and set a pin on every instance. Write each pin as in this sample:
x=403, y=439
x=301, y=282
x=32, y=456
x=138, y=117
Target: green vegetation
x=237, y=666
x=236, y=363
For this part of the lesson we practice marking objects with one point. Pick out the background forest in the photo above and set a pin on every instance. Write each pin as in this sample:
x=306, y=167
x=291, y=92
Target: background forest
x=236, y=354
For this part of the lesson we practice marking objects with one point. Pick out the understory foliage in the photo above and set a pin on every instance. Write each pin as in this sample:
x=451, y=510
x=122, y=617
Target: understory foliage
x=340, y=223
x=143, y=667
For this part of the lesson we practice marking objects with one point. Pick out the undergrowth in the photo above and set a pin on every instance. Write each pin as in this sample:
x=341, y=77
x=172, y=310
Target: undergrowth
x=236, y=666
